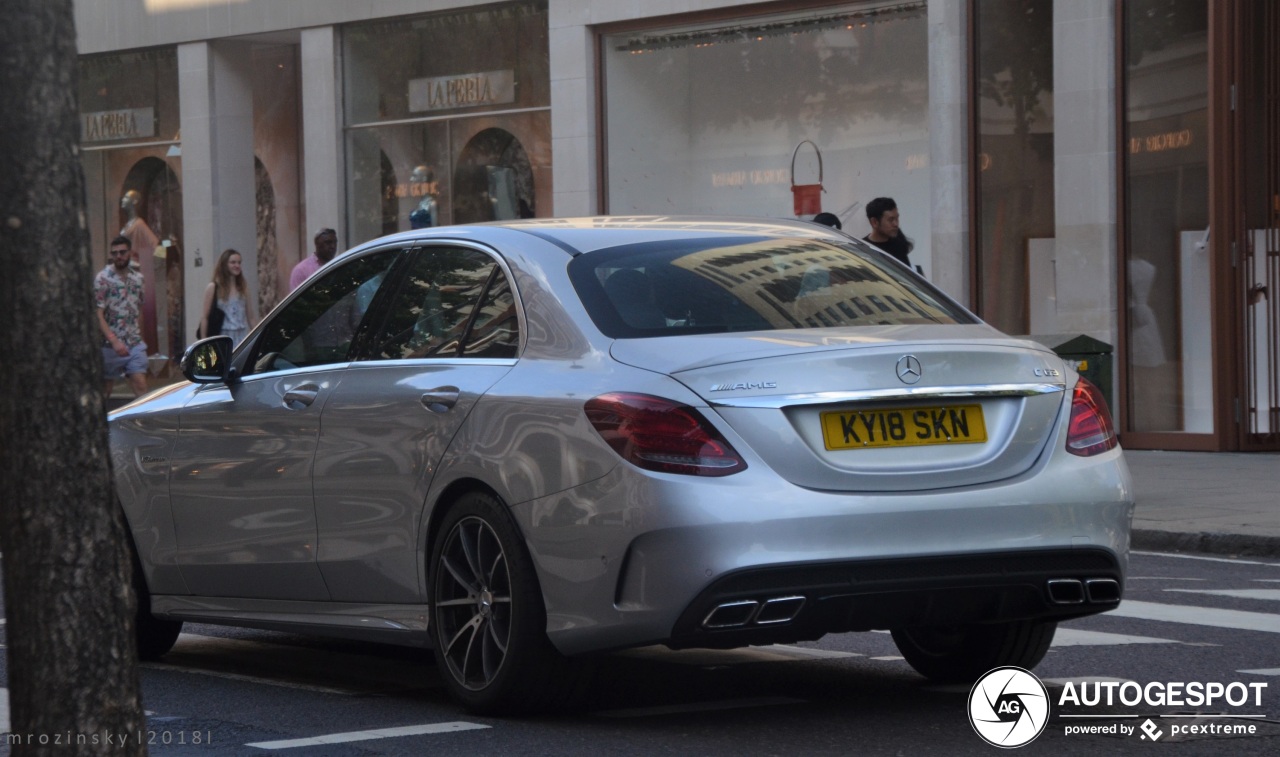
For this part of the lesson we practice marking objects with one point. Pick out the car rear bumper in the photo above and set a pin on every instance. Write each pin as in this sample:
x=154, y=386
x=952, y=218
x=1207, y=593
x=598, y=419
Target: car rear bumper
x=782, y=604
x=636, y=558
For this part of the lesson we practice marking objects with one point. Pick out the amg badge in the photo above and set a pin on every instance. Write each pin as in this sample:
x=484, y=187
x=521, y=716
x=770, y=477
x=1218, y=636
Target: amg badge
x=744, y=385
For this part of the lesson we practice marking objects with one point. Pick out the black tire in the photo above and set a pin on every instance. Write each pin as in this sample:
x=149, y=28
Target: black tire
x=963, y=653
x=155, y=637
x=488, y=622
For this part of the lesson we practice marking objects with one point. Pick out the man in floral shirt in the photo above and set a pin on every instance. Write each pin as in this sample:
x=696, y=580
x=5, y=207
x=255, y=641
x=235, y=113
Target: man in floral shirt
x=117, y=289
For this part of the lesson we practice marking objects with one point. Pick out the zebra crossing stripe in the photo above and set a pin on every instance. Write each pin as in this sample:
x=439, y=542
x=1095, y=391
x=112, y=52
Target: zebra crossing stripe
x=379, y=733
x=1268, y=594
x=1076, y=637
x=1239, y=620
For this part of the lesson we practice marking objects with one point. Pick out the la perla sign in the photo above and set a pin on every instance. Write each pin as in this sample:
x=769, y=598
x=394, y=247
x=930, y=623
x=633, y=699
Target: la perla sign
x=132, y=123
x=462, y=91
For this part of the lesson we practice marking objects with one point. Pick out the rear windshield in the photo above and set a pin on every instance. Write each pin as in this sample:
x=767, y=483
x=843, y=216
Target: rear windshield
x=719, y=285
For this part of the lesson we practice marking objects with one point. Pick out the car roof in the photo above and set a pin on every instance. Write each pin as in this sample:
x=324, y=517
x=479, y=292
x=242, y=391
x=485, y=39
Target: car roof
x=587, y=234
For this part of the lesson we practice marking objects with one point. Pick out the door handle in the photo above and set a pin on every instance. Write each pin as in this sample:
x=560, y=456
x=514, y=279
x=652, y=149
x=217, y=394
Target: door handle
x=440, y=399
x=303, y=394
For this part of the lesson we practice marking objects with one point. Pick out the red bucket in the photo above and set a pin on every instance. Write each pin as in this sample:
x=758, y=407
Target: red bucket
x=807, y=198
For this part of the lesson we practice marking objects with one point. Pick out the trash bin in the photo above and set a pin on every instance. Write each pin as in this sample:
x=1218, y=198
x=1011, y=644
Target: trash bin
x=1090, y=357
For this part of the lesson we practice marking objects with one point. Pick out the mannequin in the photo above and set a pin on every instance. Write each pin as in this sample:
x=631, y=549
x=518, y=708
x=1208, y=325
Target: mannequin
x=144, y=246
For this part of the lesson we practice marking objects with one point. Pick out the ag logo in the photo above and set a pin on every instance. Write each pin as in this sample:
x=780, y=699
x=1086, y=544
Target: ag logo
x=1008, y=707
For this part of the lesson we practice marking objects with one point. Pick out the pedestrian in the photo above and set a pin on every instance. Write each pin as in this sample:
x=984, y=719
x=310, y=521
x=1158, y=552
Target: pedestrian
x=118, y=292
x=227, y=295
x=828, y=219
x=326, y=241
x=882, y=214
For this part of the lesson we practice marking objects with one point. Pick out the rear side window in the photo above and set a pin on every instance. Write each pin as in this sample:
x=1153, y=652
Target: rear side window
x=721, y=285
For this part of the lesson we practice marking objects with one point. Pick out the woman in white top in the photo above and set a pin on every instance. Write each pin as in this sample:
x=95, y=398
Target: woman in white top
x=230, y=291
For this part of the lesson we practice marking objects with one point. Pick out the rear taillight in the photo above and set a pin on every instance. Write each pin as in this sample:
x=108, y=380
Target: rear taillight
x=660, y=435
x=1090, y=431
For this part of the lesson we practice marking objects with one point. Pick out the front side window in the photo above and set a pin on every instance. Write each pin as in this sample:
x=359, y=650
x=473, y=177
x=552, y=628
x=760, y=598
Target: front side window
x=435, y=308
x=319, y=325
x=724, y=285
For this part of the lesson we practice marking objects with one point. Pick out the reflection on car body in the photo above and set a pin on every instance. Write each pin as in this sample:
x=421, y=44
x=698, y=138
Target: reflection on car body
x=525, y=443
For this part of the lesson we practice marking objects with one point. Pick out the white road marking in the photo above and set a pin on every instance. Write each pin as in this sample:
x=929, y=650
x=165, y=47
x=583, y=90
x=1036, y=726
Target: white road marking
x=725, y=704
x=1075, y=637
x=380, y=733
x=4, y=710
x=247, y=679
x=717, y=657
x=1082, y=679
x=805, y=652
x=1271, y=594
x=965, y=688
x=1262, y=671
x=886, y=658
x=1198, y=616
x=1164, y=578
x=1207, y=559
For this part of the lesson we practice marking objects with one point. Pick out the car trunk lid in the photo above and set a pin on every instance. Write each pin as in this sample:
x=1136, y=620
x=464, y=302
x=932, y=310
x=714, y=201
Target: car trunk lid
x=889, y=409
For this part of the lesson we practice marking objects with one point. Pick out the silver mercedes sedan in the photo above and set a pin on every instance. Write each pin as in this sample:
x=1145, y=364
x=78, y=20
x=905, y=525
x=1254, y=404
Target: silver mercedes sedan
x=524, y=444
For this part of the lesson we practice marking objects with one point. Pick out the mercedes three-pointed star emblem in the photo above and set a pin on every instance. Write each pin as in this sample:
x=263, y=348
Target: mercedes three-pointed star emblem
x=909, y=369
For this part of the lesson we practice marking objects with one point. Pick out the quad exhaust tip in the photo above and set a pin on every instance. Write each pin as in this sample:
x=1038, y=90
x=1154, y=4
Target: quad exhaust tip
x=779, y=610
x=1102, y=590
x=1066, y=591
x=746, y=612
x=1073, y=591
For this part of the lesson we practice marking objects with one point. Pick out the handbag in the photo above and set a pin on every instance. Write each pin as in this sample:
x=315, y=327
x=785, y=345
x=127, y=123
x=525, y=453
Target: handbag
x=216, y=317
x=806, y=198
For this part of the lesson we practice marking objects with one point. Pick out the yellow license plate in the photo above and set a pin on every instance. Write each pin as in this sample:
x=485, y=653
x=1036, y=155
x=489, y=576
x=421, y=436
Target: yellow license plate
x=903, y=427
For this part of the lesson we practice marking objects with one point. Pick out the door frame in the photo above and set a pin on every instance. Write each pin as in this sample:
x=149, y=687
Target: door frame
x=1246, y=62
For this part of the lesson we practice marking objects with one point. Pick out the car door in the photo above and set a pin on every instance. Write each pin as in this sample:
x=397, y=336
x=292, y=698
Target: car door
x=451, y=331
x=243, y=506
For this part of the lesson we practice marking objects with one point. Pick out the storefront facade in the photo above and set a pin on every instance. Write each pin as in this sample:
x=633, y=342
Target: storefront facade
x=1064, y=167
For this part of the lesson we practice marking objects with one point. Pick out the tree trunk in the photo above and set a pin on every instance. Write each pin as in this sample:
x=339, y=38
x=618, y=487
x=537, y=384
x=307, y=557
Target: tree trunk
x=68, y=602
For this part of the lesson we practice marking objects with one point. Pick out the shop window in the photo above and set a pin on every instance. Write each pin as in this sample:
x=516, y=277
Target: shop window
x=1166, y=184
x=493, y=180
x=447, y=118
x=1015, y=163
x=129, y=122
x=705, y=118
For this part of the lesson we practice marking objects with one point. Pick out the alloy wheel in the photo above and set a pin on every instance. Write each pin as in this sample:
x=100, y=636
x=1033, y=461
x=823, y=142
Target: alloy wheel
x=473, y=603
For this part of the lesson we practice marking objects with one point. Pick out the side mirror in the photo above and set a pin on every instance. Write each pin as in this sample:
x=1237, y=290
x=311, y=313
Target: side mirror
x=208, y=361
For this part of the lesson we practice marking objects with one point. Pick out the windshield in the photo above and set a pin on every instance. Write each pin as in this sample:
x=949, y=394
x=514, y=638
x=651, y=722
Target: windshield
x=718, y=285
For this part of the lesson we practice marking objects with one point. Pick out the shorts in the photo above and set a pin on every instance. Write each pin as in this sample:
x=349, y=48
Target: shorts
x=114, y=366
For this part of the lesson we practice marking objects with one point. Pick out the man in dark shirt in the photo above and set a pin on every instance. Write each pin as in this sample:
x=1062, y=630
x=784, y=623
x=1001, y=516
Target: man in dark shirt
x=882, y=214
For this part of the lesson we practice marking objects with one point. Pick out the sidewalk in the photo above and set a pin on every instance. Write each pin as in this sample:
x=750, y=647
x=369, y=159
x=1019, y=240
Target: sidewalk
x=1219, y=502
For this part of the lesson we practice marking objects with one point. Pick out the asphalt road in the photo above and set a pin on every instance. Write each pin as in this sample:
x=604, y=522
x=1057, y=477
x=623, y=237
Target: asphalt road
x=1185, y=620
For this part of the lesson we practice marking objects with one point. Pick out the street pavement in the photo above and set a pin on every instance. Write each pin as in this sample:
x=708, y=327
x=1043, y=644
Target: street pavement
x=1224, y=503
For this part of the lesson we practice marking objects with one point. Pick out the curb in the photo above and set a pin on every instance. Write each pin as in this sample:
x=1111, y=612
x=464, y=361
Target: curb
x=1206, y=543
